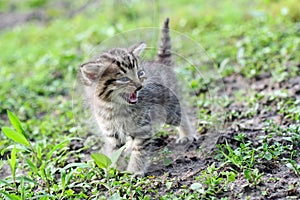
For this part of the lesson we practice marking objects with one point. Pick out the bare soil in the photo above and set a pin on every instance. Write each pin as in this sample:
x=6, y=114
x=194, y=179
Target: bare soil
x=188, y=161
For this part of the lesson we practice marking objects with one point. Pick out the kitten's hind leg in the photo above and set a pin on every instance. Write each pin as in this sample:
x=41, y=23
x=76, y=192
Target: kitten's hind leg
x=186, y=130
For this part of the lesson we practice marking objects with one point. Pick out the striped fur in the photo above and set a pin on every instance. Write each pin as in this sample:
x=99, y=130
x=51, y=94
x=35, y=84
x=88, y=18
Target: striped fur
x=129, y=96
x=164, y=54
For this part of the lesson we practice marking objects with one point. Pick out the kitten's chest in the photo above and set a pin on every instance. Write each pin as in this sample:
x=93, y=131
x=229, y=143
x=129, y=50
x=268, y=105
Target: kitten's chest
x=126, y=120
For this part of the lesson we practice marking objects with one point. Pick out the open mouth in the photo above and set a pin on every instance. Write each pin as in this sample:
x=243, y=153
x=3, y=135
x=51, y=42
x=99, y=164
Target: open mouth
x=130, y=98
x=133, y=97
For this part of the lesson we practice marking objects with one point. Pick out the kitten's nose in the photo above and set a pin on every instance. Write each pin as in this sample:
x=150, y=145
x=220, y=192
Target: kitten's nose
x=138, y=86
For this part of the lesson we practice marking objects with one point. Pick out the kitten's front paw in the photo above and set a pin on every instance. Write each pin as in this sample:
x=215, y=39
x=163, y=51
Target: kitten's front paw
x=139, y=174
x=187, y=139
x=135, y=172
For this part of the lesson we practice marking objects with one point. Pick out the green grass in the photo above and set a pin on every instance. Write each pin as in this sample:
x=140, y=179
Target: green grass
x=38, y=69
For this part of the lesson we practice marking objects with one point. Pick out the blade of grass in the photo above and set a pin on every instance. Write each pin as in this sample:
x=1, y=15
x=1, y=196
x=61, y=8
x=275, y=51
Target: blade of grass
x=15, y=136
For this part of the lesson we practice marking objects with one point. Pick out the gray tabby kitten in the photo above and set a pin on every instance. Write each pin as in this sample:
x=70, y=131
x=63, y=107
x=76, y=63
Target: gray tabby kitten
x=129, y=96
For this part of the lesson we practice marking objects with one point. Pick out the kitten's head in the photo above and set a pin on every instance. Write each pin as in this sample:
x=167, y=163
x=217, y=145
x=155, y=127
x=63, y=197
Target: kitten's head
x=117, y=74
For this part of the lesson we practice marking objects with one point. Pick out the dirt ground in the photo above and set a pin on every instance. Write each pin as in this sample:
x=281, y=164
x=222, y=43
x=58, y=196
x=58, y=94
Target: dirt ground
x=188, y=162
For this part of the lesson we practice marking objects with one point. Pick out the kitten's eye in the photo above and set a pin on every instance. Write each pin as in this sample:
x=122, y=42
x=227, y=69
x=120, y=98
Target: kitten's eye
x=124, y=79
x=141, y=74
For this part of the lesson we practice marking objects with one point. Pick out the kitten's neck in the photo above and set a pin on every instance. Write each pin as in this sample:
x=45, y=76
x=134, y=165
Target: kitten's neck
x=111, y=108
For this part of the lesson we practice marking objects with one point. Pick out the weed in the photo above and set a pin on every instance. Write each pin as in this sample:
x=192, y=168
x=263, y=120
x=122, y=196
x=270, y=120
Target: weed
x=241, y=157
x=294, y=166
x=164, y=155
x=213, y=182
x=253, y=176
x=39, y=162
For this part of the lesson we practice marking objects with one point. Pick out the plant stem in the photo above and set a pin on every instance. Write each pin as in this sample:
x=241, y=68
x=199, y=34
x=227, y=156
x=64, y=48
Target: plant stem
x=46, y=181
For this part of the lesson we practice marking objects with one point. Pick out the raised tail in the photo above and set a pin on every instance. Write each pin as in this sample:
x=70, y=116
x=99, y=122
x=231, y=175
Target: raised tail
x=164, y=54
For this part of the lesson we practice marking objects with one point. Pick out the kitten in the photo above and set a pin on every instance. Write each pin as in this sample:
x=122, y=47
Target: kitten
x=129, y=96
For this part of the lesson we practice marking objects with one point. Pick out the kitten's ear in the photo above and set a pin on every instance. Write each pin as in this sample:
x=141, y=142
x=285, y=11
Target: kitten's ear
x=137, y=49
x=90, y=72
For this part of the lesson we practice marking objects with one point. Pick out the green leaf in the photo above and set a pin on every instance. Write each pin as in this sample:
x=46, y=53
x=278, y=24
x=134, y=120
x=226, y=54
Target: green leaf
x=231, y=177
x=19, y=147
x=3, y=142
x=115, y=156
x=42, y=172
x=39, y=153
x=78, y=165
x=44, y=196
x=15, y=122
x=63, y=177
x=26, y=179
x=5, y=183
x=10, y=196
x=101, y=160
x=15, y=136
x=247, y=174
x=32, y=166
x=169, y=184
x=196, y=186
x=268, y=156
x=13, y=161
x=69, y=176
x=194, y=84
x=22, y=188
x=115, y=196
x=58, y=146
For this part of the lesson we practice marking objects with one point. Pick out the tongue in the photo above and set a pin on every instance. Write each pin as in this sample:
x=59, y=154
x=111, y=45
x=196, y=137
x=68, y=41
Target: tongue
x=132, y=98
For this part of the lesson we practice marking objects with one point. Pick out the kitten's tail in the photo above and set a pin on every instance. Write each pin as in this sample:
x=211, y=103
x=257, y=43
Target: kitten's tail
x=164, y=54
